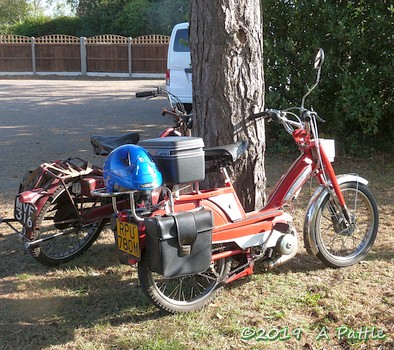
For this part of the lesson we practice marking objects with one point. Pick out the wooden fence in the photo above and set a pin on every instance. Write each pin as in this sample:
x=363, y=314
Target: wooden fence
x=64, y=54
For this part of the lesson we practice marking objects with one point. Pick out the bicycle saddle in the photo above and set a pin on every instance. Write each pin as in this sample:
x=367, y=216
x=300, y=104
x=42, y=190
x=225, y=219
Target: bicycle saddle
x=103, y=145
x=229, y=153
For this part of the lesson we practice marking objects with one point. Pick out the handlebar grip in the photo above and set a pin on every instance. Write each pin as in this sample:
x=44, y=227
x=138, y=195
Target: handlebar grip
x=273, y=114
x=146, y=93
x=165, y=112
x=263, y=114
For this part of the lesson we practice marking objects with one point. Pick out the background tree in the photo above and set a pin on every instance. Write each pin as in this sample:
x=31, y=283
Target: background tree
x=355, y=95
x=11, y=12
x=45, y=26
x=141, y=17
x=99, y=16
x=130, y=17
x=226, y=44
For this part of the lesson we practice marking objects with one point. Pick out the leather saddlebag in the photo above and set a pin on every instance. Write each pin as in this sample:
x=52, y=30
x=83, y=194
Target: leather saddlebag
x=179, y=244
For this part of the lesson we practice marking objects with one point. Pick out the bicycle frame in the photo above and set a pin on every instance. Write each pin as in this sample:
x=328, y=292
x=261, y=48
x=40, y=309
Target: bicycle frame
x=305, y=166
x=46, y=179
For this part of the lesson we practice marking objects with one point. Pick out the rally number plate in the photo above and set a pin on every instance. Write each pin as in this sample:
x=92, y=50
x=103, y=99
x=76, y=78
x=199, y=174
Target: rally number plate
x=128, y=239
x=25, y=213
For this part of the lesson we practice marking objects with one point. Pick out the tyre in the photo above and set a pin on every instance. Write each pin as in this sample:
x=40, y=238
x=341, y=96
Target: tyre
x=183, y=294
x=60, y=221
x=340, y=244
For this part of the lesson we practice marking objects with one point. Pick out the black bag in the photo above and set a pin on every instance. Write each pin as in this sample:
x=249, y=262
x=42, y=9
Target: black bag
x=179, y=244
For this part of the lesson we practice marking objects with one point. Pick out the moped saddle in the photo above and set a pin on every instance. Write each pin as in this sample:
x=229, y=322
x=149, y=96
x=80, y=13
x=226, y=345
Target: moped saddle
x=227, y=153
x=103, y=145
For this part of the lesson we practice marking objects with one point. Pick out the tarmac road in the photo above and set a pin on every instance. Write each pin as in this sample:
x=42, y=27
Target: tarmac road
x=48, y=119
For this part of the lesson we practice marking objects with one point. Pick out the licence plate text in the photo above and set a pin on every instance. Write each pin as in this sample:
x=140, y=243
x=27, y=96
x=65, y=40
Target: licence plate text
x=128, y=238
x=25, y=213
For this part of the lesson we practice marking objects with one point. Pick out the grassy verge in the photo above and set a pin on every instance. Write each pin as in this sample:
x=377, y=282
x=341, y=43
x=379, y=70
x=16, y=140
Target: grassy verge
x=95, y=303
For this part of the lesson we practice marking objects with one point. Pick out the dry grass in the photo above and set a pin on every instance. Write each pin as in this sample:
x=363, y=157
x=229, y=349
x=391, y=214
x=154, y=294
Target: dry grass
x=95, y=303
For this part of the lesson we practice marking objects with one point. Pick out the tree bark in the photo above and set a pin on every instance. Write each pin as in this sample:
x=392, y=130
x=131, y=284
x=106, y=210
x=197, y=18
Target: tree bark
x=226, y=45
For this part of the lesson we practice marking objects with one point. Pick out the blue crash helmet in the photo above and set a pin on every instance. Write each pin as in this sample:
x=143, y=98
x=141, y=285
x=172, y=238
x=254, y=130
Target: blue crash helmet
x=130, y=167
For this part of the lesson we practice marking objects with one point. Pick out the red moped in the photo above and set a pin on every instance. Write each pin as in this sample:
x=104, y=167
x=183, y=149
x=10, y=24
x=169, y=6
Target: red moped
x=194, y=241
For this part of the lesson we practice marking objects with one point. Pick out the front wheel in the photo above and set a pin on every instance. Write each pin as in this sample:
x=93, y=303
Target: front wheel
x=61, y=233
x=339, y=242
x=183, y=294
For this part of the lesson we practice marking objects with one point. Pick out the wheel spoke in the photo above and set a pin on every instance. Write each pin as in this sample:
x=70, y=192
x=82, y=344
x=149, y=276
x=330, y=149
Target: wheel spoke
x=185, y=293
x=208, y=276
x=59, y=224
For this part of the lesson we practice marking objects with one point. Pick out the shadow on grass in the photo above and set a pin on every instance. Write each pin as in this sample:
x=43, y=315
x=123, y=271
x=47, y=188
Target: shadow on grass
x=43, y=307
x=85, y=302
x=305, y=263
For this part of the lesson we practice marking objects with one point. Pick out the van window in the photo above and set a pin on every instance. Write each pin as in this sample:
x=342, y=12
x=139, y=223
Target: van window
x=181, y=42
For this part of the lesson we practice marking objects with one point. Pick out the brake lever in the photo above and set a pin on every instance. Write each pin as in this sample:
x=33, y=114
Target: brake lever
x=315, y=115
x=319, y=118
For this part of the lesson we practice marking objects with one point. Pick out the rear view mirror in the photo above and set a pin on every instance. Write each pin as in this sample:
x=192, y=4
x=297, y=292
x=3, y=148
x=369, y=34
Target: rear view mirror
x=317, y=64
x=319, y=59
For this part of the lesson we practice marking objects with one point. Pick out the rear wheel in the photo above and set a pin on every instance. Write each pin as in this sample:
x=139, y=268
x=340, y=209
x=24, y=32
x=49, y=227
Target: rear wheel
x=60, y=224
x=340, y=243
x=183, y=294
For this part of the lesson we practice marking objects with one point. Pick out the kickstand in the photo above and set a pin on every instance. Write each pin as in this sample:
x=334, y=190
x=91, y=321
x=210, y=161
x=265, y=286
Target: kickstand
x=9, y=222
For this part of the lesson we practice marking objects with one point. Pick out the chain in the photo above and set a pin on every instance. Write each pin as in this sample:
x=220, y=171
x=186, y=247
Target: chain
x=247, y=264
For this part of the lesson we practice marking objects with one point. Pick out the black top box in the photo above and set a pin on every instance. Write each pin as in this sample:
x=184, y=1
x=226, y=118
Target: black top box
x=180, y=159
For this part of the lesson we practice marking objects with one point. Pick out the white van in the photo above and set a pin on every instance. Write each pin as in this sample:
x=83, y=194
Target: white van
x=179, y=70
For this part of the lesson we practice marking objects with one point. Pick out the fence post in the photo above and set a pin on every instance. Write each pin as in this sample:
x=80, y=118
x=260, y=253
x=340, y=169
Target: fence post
x=33, y=55
x=83, y=55
x=129, y=40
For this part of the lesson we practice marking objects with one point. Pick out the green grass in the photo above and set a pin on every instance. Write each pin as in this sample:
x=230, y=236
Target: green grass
x=96, y=303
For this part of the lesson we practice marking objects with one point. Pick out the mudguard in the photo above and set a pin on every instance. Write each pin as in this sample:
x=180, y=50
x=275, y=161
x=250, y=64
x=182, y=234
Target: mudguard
x=313, y=207
x=27, y=206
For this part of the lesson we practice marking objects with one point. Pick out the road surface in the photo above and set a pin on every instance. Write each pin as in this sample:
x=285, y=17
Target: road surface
x=48, y=119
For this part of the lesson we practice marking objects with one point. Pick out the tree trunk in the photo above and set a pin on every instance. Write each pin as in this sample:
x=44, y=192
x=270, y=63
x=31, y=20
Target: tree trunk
x=226, y=45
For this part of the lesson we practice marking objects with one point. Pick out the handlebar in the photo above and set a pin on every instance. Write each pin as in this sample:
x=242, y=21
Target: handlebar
x=307, y=115
x=165, y=112
x=182, y=119
x=303, y=121
x=148, y=93
x=280, y=117
x=263, y=115
x=271, y=114
x=173, y=100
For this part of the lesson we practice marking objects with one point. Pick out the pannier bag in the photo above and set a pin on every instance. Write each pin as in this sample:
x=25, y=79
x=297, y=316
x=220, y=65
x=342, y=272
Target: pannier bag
x=179, y=244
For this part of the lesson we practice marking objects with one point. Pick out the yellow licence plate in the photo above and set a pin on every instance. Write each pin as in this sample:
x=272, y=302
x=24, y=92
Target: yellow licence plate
x=128, y=238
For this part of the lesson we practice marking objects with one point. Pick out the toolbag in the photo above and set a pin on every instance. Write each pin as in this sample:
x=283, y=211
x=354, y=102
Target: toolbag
x=179, y=244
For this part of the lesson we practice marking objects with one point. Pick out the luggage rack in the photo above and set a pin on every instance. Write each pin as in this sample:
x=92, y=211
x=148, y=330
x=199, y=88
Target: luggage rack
x=101, y=192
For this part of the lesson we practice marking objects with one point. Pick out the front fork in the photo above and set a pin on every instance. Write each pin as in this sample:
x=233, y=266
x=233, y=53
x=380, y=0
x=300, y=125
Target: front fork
x=335, y=191
x=316, y=203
